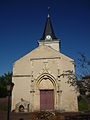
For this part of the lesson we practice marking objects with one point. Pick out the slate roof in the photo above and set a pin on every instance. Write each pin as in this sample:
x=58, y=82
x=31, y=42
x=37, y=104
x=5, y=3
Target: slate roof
x=48, y=30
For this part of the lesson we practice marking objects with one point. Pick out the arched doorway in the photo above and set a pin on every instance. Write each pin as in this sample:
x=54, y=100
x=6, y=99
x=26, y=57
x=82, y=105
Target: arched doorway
x=46, y=85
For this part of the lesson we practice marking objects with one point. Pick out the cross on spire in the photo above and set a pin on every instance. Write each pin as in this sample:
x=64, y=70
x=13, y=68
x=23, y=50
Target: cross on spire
x=48, y=11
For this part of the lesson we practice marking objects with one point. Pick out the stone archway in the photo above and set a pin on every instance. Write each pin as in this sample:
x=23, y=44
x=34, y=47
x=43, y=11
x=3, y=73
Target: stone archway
x=46, y=87
x=46, y=76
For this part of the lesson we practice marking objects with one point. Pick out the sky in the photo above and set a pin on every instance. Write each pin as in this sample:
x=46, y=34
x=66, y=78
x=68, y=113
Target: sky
x=22, y=23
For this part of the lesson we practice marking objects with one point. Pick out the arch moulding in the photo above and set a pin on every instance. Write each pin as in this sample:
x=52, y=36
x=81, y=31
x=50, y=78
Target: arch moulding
x=46, y=76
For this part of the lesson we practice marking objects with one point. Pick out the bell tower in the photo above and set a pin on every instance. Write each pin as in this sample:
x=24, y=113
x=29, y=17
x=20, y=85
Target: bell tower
x=48, y=38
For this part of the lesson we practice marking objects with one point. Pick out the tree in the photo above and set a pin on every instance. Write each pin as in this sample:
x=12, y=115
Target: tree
x=83, y=73
x=4, y=80
x=81, y=80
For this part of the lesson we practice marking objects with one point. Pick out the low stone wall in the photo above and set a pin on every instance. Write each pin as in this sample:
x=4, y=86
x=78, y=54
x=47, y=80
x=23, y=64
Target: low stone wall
x=18, y=116
x=40, y=116
x=76, y=116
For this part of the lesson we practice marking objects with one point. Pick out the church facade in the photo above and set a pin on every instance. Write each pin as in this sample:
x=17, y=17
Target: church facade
x=39, y=77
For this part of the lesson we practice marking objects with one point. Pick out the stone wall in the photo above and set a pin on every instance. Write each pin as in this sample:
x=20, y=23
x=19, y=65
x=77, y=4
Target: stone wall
x=34, y=116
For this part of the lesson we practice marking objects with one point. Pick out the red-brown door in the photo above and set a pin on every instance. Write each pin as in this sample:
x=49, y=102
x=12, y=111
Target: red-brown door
x=46, y=100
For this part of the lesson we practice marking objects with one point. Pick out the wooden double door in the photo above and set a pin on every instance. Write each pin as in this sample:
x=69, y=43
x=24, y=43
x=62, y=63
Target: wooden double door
x=47, y=100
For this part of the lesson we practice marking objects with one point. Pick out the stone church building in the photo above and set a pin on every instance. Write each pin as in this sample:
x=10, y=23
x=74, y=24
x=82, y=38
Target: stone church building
x=39, y=77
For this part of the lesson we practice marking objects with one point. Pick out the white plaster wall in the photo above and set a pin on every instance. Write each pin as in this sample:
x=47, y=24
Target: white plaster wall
x=36, y=57
x=53, y=44
x=68, y=96
x=21, y=89
x=43, y=60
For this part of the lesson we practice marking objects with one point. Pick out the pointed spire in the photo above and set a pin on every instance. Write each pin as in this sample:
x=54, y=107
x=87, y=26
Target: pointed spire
x=48, y=33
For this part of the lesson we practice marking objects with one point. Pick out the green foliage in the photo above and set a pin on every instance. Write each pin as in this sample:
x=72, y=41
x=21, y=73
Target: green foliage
x=83, y=104
x=4, y=80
